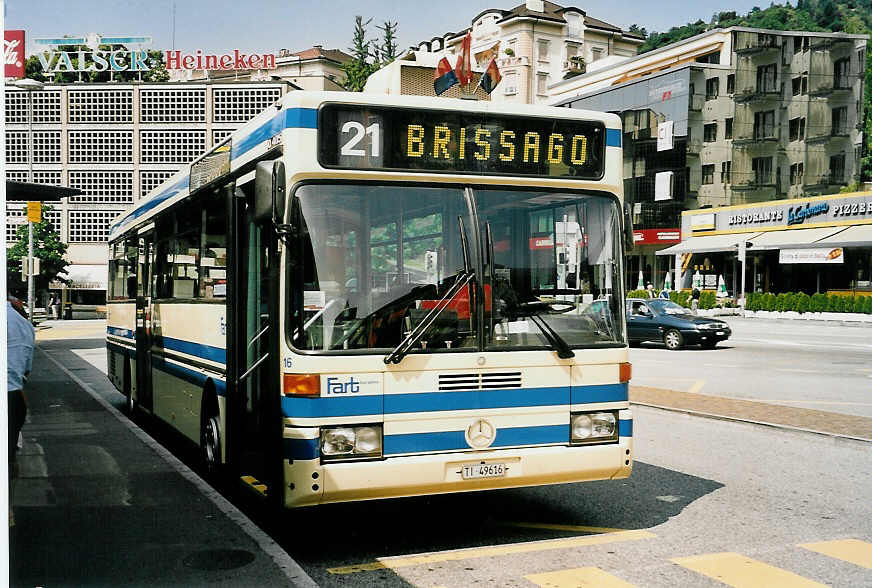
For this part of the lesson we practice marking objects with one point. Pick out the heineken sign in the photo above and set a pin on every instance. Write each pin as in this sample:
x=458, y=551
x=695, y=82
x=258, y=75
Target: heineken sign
x=820, y=211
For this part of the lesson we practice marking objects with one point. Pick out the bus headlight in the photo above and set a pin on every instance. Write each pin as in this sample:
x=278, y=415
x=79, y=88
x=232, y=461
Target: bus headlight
x=351, y=442
x=593, y=427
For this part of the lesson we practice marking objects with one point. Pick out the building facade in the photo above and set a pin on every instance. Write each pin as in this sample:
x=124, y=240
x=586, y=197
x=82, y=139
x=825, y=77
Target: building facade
x=536, y=45
x=819, y=244
x=730, y=117
x=115, y=142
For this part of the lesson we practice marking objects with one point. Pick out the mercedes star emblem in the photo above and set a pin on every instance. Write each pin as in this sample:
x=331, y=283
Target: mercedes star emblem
x=480, y=434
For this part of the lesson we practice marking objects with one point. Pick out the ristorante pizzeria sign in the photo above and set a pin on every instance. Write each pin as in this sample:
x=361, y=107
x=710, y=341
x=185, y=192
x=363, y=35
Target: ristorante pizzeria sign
x=837, y=209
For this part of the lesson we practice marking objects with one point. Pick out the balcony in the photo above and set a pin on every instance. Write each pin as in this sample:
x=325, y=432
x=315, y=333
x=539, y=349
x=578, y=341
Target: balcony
x=694, y=147
x=575, y=65
x=696, y=102
x=823, y=43
x=754, y=95
x=756, y=44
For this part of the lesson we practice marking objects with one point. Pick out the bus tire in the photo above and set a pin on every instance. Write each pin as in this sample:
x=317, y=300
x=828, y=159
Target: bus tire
x=210, y=434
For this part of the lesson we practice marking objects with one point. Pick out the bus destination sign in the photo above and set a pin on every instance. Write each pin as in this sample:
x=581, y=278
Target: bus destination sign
x=379, y=138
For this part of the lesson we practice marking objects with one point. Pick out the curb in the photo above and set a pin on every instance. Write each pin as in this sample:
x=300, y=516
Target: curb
x=721, y=417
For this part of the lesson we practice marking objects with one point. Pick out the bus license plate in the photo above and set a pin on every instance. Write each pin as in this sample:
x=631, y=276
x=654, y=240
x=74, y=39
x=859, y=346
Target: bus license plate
x=483, y=470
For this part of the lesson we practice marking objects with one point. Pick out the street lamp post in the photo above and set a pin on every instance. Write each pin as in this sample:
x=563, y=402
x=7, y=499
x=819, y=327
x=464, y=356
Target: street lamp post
x=29, y=86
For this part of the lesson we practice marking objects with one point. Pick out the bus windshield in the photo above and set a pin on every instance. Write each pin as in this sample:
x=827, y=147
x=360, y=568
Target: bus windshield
x=370, y=263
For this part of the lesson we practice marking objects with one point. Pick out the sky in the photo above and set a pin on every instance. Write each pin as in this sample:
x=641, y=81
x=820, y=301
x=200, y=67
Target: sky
x=266, y=26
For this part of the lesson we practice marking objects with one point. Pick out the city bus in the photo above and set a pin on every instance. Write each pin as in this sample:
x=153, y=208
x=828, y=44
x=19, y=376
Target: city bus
x=361, y=296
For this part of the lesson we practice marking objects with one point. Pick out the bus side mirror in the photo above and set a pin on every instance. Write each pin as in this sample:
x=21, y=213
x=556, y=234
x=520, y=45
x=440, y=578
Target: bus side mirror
x=629, y=240
x=269, y=191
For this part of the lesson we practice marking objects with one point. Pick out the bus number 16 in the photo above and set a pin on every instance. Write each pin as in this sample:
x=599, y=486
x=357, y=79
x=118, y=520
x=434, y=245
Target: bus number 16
x=358, y=131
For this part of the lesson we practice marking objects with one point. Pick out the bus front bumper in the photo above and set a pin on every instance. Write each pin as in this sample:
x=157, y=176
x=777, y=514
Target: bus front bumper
x=309, y=482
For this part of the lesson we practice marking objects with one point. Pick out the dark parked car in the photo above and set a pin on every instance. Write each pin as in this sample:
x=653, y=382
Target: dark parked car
x=662, y=320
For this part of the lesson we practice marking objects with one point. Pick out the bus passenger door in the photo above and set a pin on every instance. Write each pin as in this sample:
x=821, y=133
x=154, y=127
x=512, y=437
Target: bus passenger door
x=254, y=418
x=144, y=266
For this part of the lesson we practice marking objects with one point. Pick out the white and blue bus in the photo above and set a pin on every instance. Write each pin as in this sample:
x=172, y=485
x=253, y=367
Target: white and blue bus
x=357, y=297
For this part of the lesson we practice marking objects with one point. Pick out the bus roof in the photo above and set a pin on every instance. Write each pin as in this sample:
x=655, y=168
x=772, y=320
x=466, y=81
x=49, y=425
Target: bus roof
x=299, y=110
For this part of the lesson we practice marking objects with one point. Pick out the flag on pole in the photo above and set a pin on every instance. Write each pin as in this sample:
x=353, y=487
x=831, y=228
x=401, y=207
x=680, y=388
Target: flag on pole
x=463, y=69
x=444, y=77
x=491, y=77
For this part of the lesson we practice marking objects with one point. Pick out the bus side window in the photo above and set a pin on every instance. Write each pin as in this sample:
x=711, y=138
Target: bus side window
x=213, y=259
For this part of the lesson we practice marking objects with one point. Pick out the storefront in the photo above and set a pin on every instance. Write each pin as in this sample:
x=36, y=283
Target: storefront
x=643, y=260
x=818, y=244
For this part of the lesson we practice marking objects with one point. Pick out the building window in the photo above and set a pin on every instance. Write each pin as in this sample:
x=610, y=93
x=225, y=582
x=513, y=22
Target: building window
x=46, y=106
x=840, y=120
x=543, y=46
x=571, y=51
x=169, y=106
x=241, y=104
x=842, y=74
x=711, y=88
x=726, y=171
x=797, y=129
x=708, y=174
x=171, y=146
x=90, y=226
x=796, y=84
x=596, y=54
x=804, y=85
x=511, y=84
x=102, y=186
x=764, y=124
x=100, y=146
x=766, y=75
x=837, y=168
x=710, y=132
x=542, y=84
x=149, y=180
x=797, y=44
x=796, y=174
x=731, y=84
x=762, y=167
x=728, y=128
x=102, y=106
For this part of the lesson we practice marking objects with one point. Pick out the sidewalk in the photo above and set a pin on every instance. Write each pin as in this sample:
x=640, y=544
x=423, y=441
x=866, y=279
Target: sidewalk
x=97, y=502
x=818, y=421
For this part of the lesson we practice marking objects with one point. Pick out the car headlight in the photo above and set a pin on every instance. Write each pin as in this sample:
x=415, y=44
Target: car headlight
x=593, y=427
x=352, y=442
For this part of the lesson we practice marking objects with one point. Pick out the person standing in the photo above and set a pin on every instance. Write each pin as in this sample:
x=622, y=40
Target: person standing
x=694, y=300
x=651, y=290
x=54, y=306
x=19, y=360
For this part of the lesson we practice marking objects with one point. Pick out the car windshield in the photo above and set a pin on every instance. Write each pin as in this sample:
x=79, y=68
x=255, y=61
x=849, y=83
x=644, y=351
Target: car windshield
x=667, y=307
x=370, y=263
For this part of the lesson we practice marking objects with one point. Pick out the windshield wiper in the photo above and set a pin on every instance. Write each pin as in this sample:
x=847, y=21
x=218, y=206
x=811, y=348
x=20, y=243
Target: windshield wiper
x=401, y=350
x=557, y=342
x=463, y=278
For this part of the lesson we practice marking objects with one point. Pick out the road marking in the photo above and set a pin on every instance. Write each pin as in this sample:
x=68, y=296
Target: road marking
x=697, y=386
x=574, y=528
x=850, y=550
x=734, y=569
x=797, y=371
x=403, y=561
x=578, y=578
x=800, y=344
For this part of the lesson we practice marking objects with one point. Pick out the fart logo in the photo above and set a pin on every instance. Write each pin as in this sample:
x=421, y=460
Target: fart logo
x=337, y=386
x=348, y=385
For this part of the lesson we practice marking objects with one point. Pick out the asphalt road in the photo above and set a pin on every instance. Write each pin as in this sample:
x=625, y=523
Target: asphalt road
x=796, y=363
x=706, y=498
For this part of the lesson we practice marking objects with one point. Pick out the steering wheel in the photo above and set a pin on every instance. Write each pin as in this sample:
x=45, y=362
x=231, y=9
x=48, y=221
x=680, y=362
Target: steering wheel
x=550, y=306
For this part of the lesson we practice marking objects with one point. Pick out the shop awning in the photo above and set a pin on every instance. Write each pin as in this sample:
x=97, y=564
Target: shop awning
x=84, y=277
x=856, y=236
x=794, y=238
x=709, y=244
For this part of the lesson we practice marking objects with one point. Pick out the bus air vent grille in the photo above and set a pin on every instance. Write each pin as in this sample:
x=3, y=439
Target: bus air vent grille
x=477, y=381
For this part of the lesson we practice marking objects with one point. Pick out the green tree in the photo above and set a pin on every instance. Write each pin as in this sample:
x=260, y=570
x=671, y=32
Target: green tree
x=387, y=51
x=47, y=247
x=361, y=65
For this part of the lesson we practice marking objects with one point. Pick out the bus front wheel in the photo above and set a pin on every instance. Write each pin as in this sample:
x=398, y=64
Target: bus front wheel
x=210, y=437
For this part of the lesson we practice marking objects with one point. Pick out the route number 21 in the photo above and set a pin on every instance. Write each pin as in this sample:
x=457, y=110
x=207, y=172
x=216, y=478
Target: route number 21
x=358, y=132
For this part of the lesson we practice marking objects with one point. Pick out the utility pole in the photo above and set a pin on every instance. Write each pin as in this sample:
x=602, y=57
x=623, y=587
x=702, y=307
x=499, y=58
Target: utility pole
x=29, y=86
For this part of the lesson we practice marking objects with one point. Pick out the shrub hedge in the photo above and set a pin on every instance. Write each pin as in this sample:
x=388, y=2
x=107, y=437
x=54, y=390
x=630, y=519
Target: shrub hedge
x=801, y=302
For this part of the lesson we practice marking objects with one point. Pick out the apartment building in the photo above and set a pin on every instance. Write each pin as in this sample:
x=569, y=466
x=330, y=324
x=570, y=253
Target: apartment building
x=727, y=118
x=536, y=44
x=115, y=142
